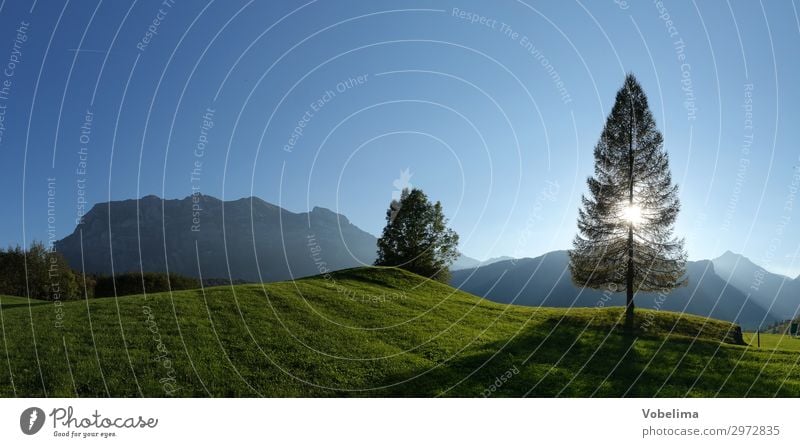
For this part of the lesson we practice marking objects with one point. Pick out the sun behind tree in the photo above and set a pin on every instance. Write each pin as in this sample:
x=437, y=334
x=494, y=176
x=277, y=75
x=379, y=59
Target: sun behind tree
x=625, y=239
x=416, y=237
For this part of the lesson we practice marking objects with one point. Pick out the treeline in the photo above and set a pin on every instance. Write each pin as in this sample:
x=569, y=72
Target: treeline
x=37, y=272
x=137, y=283
x=44, y=274
x=779, y=327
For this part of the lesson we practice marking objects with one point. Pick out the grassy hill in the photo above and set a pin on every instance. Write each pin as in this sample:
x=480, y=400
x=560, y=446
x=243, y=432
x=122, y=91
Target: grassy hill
x=368, y=332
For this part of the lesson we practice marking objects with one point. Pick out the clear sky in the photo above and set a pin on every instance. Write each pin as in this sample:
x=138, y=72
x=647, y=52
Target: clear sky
x=492, y=107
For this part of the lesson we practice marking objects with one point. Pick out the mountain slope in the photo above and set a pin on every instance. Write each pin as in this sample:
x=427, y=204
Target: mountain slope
x=368, y=332
x=464, y=262
x=152, y=234
x=778, y=293
x=546, y=281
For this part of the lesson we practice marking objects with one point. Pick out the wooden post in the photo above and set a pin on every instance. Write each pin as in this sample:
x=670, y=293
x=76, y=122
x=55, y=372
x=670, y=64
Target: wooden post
x=758, y=334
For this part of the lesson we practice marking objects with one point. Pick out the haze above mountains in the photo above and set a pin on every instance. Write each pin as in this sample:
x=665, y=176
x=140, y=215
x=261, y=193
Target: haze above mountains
x=252, y=240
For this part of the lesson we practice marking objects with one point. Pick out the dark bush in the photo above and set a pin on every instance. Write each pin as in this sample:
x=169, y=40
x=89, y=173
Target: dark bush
x=216, y=282
x=136, y=283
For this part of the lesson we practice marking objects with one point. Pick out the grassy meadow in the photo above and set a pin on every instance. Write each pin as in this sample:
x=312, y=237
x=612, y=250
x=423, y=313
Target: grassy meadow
x=773, y=342
x=369, y=332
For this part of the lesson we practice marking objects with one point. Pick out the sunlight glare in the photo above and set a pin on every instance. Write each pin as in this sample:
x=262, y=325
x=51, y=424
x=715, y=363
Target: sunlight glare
x=633, y=214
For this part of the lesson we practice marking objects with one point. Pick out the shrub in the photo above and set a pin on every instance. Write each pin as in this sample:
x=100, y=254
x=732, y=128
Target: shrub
x=137, y=283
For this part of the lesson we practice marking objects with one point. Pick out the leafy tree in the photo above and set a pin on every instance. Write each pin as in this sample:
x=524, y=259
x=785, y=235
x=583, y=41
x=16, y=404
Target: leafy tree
x=416, y=237
x=37, y=272
x=625, y=239
x=12, y=271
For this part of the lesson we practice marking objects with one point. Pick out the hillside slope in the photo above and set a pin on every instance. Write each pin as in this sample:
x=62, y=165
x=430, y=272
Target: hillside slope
x=367, y=332
x=771, y=291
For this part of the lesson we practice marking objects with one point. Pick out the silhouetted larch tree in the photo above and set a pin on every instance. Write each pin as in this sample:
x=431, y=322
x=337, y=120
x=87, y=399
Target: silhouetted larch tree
x=416, y=237
x=625, y=227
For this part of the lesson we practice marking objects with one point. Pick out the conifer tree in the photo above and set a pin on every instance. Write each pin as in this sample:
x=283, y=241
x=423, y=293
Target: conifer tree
x=625, y=227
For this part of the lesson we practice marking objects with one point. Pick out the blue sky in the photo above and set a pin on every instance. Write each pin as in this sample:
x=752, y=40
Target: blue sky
x=493, y=108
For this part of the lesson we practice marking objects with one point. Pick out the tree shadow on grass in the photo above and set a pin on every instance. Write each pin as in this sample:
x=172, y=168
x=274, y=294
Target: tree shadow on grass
x=568, y=363
x=5, y=306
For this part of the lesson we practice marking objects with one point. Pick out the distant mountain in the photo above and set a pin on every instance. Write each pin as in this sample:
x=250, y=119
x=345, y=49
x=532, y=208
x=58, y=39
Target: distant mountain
x=497, y=259
x=778, y=293
x=258, y=242
x=546, y=281
x=465, y=262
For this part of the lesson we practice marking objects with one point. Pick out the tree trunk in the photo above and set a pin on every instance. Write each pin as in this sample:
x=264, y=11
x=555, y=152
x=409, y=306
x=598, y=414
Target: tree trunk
x=629, y=284
x=629, y=273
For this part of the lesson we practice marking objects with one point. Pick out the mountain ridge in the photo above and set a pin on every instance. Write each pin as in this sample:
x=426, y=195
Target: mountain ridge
x=545, y=281
x=200, y=235
x=778, y=293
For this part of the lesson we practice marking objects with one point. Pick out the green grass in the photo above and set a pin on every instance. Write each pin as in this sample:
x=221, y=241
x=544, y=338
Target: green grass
x=368, y=332
x=773, y=342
